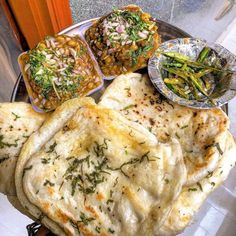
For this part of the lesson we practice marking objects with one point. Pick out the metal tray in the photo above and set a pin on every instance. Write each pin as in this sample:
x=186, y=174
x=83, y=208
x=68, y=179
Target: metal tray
x=167, y=32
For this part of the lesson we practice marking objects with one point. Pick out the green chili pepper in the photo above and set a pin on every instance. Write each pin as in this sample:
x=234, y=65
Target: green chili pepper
x=180, y=91
x=176, y=55
x=173, y=81
x=198, y=85
x=194, y=64
x=203, y=72
x=203, y=54
x=172, y=64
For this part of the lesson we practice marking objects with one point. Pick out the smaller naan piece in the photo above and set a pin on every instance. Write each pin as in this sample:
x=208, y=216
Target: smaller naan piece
x=201, y=133
x=17, y=122
x=90, y=170
x=192, y=197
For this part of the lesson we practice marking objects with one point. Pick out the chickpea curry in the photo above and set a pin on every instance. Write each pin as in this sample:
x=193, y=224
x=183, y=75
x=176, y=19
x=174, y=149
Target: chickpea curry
x=57, y=69
x=123, y=41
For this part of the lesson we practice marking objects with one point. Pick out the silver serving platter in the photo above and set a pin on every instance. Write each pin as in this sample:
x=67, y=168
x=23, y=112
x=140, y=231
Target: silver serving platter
x=225, y=88
x=167, y=32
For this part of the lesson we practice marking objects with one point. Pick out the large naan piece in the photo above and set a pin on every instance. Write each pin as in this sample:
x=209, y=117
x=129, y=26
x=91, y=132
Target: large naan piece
x=191, y=198
x=17, y=122
x=90, y=170
x=201, y=133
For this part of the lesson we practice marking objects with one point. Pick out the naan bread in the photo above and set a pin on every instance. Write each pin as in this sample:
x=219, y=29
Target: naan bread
x=88, y=169
x=191, y=198
x=17, y=122
x=201, y=133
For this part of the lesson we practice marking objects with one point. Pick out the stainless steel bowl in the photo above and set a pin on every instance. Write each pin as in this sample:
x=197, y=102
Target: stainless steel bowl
x=225, y=89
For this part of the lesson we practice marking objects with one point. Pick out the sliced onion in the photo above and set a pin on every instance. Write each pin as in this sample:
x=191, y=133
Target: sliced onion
x=44, y=101
x=52, y=43
x=73, y=52
x=142, y=35
x=99, y=53
x=27, y=66
x=111, y=50
x=120, y=28
x=47, y=43
x=36, y=100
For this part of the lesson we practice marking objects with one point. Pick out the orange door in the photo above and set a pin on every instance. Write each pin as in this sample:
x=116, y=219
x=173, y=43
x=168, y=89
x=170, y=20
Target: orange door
x=38, y=18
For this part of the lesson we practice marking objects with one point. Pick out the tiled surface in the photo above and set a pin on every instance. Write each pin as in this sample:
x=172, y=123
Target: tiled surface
x=197, y=17
x=12, y=222
x=217, y=216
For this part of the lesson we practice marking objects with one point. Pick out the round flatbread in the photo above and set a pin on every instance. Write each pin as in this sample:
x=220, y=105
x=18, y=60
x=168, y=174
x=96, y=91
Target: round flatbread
x=201, y=133
x=17, y=122
x=192, y=197
x=90, y=170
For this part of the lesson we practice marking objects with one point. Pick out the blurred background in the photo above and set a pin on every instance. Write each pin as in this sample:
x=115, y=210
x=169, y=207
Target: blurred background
x=25, y=22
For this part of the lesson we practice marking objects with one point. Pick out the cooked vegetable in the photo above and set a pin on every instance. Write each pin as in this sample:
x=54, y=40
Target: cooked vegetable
x=123, y=41
x=194, y=80
x=57, y=69
x=203, y=54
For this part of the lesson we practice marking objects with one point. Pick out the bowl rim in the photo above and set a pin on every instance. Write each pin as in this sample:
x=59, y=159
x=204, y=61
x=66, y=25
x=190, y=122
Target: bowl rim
x=156, y=78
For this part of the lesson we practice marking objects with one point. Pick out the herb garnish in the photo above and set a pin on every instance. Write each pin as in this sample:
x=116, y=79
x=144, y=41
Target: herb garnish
x=26, y=169
x=176, y=134
x=6, y=144
x=109, y=201
x=115, y=183
x=61, y=185
x=111, y=230
x=97, y=229
x=200, y=186
x=52, y=147
x=87, y=179
x=25, y=136
x=47, y=182
x=45, y=161
x=84, y=219
x=16, y=116
x=99, y=148
x=128, y=107
x=140, y=51
x=217, y=145
x=74, y=225
x=134, y=161
x=210, y=173
x=192, y=189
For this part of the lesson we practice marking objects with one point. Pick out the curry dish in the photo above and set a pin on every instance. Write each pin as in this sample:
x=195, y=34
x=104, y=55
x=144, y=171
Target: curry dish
x=123, y=41
x=57, y=69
